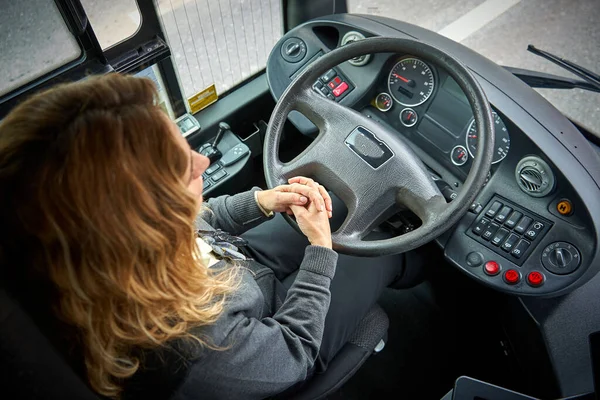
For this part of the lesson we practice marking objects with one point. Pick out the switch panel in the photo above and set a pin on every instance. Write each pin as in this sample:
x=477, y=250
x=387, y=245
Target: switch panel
x=333, y=85
x=509, y=230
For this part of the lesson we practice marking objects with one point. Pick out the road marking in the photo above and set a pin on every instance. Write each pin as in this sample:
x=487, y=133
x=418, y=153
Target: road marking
x=476, y=19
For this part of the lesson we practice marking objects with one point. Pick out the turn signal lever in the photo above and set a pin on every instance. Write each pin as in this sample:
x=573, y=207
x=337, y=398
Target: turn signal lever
x=447, y=191
x=210, y=150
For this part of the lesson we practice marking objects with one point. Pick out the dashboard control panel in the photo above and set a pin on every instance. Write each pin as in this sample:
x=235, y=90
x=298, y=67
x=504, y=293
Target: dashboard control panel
x=508, y=229
x=234, y=162
x=333, y=85
x=529, y=231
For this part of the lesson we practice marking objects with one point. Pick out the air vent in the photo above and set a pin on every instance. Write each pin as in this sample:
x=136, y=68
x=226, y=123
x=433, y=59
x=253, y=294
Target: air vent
x=534, y=176
x=353, y=36
x=531, y=179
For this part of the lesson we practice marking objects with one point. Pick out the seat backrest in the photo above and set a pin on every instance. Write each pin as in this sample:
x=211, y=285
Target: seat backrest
x=30, y=366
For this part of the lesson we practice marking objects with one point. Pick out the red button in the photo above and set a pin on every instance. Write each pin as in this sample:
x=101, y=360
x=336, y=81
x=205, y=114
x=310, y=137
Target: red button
x=512, y=276
x=535, y=278
x=337, y=80
x=332, y=84
x=337, y=92
x=491, y=268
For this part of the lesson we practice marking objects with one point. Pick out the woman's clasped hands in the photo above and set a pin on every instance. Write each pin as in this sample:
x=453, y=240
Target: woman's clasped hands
x=308, y=201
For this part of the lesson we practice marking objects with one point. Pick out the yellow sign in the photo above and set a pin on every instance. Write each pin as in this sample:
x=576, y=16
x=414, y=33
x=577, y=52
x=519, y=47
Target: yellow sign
x=203, y=99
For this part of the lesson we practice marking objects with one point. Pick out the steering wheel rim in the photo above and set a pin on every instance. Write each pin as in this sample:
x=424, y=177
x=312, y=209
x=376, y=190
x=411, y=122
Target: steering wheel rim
x=349, y=143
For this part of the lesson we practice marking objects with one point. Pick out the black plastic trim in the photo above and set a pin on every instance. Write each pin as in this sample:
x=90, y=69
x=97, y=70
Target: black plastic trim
x=146, y=47
x=229, y=107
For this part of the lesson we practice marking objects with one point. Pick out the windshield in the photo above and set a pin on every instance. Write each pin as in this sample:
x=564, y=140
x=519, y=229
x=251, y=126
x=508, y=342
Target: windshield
x=501, y=30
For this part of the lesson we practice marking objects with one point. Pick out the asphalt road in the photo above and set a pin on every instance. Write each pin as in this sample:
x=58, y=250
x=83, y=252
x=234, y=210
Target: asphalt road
x=225, y=41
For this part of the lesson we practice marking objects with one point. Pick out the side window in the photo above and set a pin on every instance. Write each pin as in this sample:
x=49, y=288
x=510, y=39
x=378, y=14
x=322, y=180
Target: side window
x=113, y=21
x=219, y=42
x=31, y=46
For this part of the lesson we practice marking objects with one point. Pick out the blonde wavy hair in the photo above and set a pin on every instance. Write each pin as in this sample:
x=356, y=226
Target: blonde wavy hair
x=99, y=206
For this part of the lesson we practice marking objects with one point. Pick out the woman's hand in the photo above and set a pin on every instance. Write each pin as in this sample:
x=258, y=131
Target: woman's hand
x=314, y=224
x=311, y=183
x=299, y=192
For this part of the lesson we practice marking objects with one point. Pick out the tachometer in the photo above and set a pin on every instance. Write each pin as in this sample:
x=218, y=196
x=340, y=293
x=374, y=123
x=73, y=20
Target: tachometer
x=502, y=140
x=411, y=82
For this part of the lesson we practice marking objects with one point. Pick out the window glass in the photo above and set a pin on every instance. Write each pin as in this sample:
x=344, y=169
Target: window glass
x=153, y=73
x=113, y=21
x=219, y=42
x=501, y=30
x=34, y=40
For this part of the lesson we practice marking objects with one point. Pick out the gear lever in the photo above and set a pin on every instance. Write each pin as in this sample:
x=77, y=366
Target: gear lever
x=210, y=150
x=223, y=126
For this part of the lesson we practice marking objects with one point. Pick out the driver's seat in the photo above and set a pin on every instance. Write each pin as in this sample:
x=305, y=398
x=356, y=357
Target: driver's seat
x=32, y=368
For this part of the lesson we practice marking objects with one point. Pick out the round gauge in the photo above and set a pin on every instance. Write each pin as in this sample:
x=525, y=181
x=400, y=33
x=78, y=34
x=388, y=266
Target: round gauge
x=408, y=117
x=459, y=155
x=411, y=82
x=501, y=141
x=383, y=102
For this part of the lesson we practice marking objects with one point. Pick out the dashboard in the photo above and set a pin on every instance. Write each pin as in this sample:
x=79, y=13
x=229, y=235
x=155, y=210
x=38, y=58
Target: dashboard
x=533, y=231
x=530, y=231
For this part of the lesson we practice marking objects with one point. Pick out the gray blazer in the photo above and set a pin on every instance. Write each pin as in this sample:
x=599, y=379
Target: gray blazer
x=268, y=344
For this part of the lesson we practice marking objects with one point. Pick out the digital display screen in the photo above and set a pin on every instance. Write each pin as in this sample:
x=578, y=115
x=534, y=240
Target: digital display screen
x=447, y=117
x=452, y=87
x=187, y=124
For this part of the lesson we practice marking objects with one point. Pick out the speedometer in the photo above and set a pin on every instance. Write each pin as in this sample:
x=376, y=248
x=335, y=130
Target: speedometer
x=501, y=141
x=411, y=82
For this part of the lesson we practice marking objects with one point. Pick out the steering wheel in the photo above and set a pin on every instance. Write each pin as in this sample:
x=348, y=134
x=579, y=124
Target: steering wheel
x=371, y=168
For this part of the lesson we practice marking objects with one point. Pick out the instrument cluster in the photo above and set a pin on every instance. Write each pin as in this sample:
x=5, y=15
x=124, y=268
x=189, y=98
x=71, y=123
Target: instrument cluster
x=412, y=88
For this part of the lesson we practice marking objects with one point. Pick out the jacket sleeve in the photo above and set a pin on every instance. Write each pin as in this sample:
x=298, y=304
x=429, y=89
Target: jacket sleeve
x=234, y=214
x=263, y=357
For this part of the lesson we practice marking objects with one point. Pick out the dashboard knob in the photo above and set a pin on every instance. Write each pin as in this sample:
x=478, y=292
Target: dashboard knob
x=561, y=258
x=293, y=50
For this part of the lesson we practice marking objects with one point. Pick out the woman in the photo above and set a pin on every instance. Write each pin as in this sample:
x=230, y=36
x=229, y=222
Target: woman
x=104, y=207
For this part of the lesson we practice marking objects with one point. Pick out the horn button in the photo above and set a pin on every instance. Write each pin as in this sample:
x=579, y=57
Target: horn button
x=370, y=149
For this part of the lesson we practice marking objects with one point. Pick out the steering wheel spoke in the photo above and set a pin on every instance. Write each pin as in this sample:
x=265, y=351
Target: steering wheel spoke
x=303, y=164
x=425, y=200
x=330, y=117
x=364, y=214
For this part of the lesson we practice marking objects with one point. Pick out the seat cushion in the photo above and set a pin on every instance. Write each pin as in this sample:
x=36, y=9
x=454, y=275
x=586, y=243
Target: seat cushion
x=370, y=331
